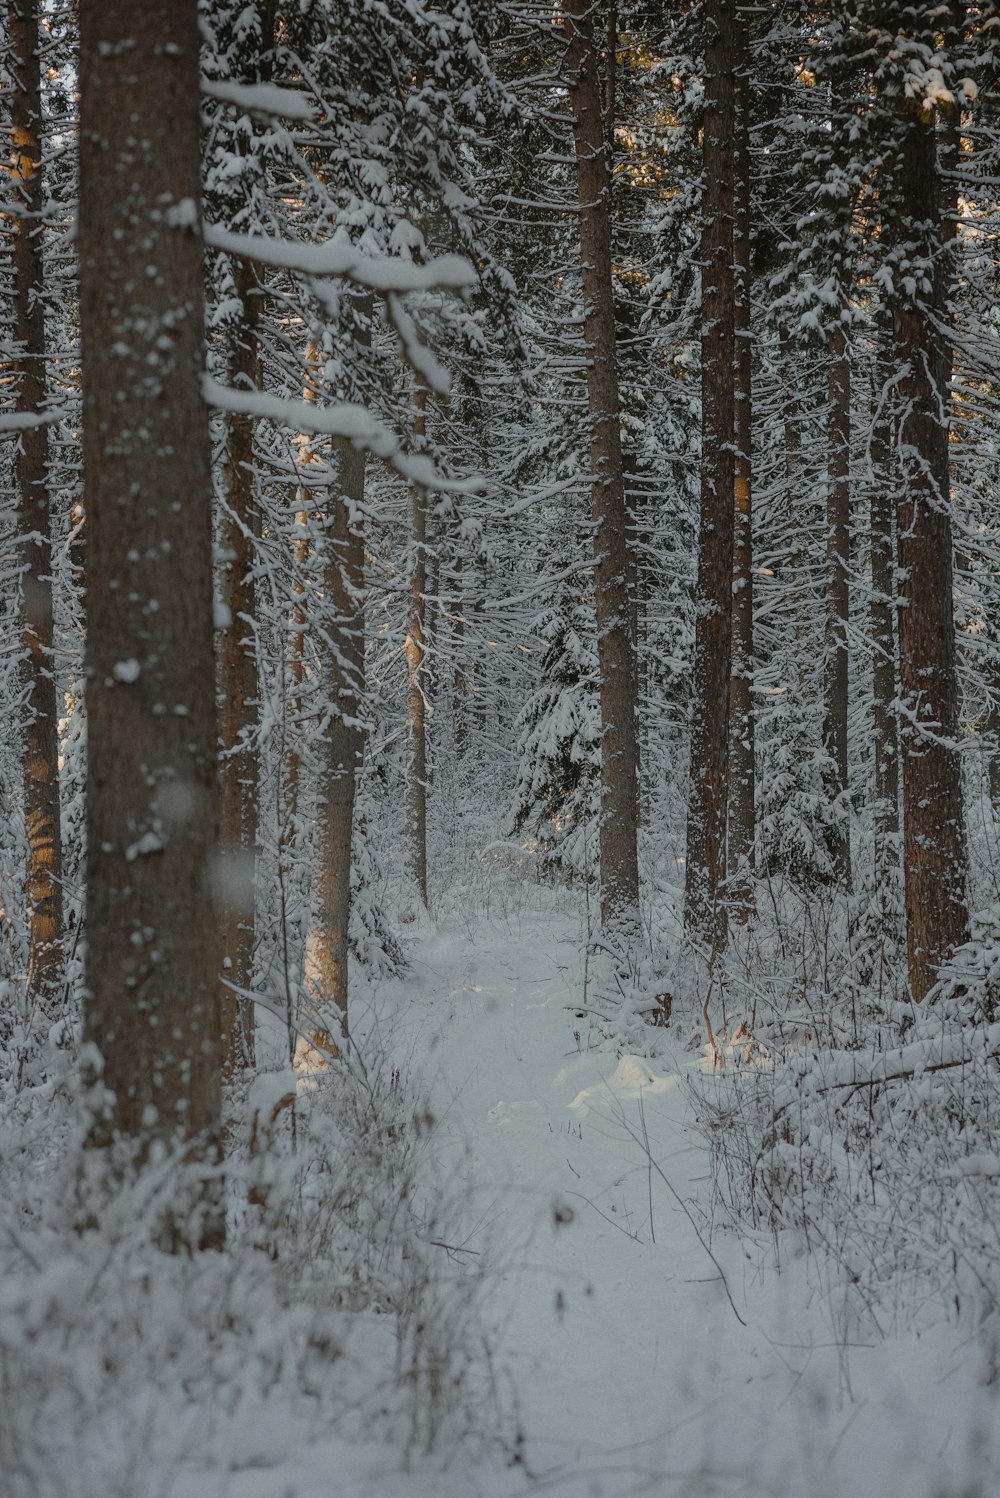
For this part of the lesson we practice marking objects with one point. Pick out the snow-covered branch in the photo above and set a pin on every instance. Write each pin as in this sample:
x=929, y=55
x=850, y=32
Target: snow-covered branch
x=351, y=422
x=339, y=257
x=264, y=98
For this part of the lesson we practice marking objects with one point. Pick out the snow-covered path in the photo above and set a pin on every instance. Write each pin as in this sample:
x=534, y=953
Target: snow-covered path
x=631, y=1369
x=615, y=1343
x=536, y=1125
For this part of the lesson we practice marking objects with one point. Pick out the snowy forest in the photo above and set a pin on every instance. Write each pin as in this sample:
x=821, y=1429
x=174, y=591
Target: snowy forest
x=500, y=779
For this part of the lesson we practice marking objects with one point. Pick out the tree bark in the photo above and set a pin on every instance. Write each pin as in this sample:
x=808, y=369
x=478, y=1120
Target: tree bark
x=153, y=1006
x=742, y=810
x=883, y=629
x=239, y=689
x=705, y=872
x=432, y=642
x=344, y=591
x=41, y=733
x=459, y=686
x=416, y=665
x=934, y=849
x=619, y=861
x=635, y=581
x=290, y=832
x=836, y=650
x=238, y=668
x=796, y=585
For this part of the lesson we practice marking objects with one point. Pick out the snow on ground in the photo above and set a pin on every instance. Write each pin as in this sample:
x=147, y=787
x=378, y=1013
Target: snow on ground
x=616, y=1344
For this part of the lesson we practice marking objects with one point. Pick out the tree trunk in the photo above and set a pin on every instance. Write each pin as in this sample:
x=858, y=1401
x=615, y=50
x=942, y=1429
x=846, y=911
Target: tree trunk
x=432, y=643
x=933, y=810
x=796, y=585
x=838, y=516
x=705, y=873
x=344, y=591
x=41, y=734
x=742, y=812
x=292, y=756
x=239, y=689
x=416, y=700
x=636, y=621
x=153, y=959
x=238, y=671
x=884, y=484
x=459, y=686
x=615, y=648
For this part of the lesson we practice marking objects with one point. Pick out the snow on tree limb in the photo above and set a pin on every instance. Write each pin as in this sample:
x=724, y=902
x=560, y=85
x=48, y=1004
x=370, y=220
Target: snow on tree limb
x=351, y=422
x=267, y=98
x=13, y=422
x=338, y=257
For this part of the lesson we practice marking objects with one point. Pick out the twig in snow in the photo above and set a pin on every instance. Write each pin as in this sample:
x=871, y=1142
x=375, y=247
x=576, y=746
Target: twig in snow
x=633, y=1237
x=655, y=1165
x=649, y=1163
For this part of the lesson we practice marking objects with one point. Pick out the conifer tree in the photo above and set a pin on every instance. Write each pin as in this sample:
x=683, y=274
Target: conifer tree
x=152, y=796
x=705, y=872
x=41, y=746
x=920, y=218
x=615, y=643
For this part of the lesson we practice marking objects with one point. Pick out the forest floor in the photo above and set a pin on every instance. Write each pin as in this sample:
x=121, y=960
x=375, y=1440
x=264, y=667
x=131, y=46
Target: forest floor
x=633, y=1349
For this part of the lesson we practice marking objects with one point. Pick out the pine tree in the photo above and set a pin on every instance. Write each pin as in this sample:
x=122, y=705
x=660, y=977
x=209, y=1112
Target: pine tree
x=152, y=796
x=742, y=736
x=615, y=643
x=41, y=746
x=705, y=871
x=920, y=221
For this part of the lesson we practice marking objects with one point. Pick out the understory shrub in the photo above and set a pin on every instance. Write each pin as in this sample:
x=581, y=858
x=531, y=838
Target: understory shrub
x=334, y=1309
x=878, y=1150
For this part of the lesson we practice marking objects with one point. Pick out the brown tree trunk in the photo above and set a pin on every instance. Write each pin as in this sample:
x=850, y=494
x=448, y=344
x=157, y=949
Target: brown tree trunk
x=459, y=686
x=796, y=583
x=615, y=648
x=153, y=960
x=432, y=642
x=883, y=628
x=838, y=516
x=41, y=736
x=239, y=690
x=238, y=673
x=636, y=620
x=705, y=872
x=742, y=812
x=292, y=767
x=934, y=850
x=344, y=590
x=296, y=675
x=416, y=664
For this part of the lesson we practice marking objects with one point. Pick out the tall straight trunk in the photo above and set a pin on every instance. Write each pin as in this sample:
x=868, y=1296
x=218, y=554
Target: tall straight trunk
x=883, y=632
x=153, y=957
x=416, y=664
x=458, y=601
x=934, y=849
x=237, y=661
x=41, y=736
x=432, y=642
x=296, y=670
x=619, y=858
x=296, y=676
x=742, y=811
x=344, y=590
x=838, y=517
x=636, y=616
x=459, y=685
x=239, y=688
x=796, y=585
x=705, y=873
